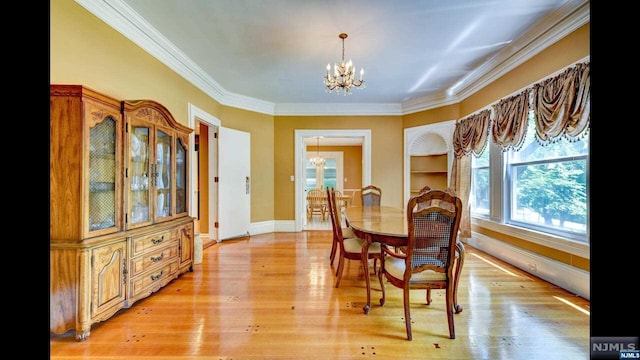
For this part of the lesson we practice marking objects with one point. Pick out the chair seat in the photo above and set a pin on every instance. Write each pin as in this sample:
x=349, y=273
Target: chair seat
x=354, y=245
x=395, y=267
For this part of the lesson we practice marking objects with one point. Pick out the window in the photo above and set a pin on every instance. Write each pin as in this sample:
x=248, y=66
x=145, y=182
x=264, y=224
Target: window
x=321, y=177
x=480, y=190
x=544, y=186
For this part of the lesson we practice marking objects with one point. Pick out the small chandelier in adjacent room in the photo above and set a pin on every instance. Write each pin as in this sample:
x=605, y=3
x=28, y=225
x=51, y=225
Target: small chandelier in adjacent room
x=343, y=76
x=318, y=160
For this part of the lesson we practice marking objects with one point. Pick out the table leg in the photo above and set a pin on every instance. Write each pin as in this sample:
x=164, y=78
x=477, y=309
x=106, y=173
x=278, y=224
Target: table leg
x=365, y=268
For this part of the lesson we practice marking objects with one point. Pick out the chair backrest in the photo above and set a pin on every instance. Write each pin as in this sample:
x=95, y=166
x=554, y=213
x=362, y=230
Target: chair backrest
x=371, y=195
x=448, y=190
x=432, y=231
x=316, y=197
x=336, y=224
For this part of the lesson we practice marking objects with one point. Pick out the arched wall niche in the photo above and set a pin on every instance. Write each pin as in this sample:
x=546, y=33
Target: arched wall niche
x=431, y=140
x=429, y=144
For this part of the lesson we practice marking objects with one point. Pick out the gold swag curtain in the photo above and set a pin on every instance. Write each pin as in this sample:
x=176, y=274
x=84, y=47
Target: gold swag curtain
x=469, y=136
x=509, y=124
x=562, y=104
x=561, y=107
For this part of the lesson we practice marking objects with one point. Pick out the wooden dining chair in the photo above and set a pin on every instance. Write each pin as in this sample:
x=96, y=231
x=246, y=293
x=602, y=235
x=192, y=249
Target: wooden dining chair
x=350, y=248
x=371, y=195
x=347, y=232
x=459, y=247
x=430, y=256
x=316, y=204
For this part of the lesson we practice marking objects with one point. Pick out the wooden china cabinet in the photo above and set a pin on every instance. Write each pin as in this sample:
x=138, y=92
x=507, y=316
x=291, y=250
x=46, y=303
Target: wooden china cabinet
x=119, y=224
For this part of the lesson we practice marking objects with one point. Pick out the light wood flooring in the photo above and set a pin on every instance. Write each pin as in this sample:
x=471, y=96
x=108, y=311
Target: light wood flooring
x=316, y=223
x=272, y=296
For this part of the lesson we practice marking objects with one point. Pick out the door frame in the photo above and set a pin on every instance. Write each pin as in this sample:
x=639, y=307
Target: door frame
x=195, y=115
x=300, y=156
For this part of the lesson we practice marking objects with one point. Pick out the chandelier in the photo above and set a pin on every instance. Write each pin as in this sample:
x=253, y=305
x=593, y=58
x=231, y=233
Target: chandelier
x=317, y=161
x=343, y=75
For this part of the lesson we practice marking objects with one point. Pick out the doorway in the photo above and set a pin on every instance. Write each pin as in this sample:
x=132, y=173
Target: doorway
x=329, y=174
x=203, y=202
x=364, y=135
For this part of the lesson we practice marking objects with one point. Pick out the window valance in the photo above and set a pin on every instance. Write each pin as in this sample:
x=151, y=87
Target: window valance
x=561, y=108
x=561, y=104
x=509, y=123
x=470, y=134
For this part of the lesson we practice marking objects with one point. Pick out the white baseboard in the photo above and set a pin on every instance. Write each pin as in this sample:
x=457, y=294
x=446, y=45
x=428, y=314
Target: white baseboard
x=567, y=277
x=262, y=227
x=273, y=226
x=285, y=225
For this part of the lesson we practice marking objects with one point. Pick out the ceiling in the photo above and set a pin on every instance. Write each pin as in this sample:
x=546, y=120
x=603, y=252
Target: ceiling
x=271, y=56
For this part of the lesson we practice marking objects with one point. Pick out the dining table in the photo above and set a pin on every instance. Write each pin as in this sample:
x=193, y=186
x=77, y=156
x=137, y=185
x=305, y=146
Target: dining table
x=342, y=200
x=388, y=225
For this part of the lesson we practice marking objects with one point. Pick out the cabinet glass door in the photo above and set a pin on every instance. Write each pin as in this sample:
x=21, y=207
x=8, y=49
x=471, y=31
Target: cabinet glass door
x=102, y=175
x=139, y=175
x=181, y=177
x=163, y=174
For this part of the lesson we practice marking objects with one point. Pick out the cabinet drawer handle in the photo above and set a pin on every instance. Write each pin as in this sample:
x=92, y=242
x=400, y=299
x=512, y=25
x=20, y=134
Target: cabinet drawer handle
x=158, y=241
x=156, y=259
x=156, y=277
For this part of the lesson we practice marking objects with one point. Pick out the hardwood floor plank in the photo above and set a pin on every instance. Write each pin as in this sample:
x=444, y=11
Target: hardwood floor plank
x=272, y=296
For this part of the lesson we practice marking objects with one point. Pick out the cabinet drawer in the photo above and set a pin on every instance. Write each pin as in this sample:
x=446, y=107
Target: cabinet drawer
x=152, y=241
x=153, y=259
x=153, y=280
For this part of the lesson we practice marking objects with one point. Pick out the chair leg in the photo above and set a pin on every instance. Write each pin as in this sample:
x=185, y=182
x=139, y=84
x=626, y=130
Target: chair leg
x=428, y=296
x=459, y=262
x=380, y=276
x=339, y=271
x=450, y=307
x=334, y=247
x=407, y=313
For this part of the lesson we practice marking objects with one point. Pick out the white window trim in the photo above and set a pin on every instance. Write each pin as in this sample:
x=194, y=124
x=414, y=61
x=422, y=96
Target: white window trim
x=573, y=247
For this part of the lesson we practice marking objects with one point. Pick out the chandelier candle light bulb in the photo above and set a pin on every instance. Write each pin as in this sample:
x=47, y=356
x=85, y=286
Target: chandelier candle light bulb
x=343, y=75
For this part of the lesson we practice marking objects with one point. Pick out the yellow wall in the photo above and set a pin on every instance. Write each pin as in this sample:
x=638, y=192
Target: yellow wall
x=560, y=55
x=386, y=155
x=571, y=49
x=431, y=116
x=84, y=50
x=351, y=163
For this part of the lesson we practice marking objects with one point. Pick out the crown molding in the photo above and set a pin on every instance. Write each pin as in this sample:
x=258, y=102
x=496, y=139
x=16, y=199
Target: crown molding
x=125, y=20
x=337, y=109
x=560, y=24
